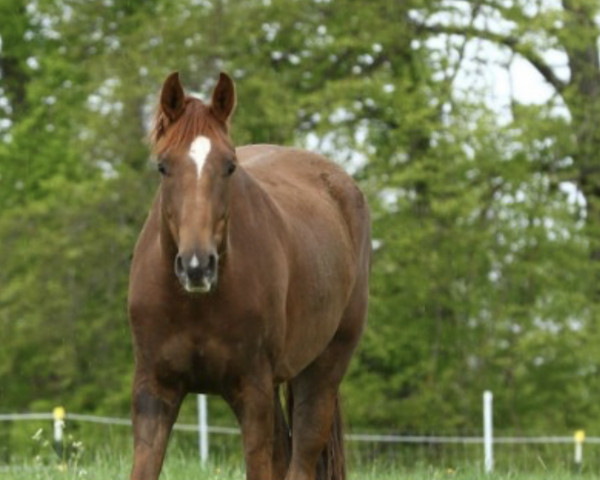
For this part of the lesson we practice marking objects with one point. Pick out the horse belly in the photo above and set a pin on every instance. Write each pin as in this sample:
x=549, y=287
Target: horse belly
x=316, y=304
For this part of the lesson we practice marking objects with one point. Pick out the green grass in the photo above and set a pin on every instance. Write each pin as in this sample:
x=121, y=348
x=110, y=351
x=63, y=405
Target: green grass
x=108, y=456
x=104, y=452
x=180, y=467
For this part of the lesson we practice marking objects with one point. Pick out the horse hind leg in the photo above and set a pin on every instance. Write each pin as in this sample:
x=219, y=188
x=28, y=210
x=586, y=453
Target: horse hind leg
x=317, y=437
x=316, y=430
x=332, y=462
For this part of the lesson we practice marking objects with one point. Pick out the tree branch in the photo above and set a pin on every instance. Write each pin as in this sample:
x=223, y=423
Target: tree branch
x=505, y=40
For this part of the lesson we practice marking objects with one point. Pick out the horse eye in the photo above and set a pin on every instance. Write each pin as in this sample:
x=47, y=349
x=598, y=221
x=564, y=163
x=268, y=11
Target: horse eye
x=162, y=168
x=229, y=168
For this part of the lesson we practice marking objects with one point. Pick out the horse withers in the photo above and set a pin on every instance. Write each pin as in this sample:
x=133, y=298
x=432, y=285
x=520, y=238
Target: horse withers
x=251, y=272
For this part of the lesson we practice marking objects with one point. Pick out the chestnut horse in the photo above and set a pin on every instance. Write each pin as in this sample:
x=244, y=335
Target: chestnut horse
x=251, y=271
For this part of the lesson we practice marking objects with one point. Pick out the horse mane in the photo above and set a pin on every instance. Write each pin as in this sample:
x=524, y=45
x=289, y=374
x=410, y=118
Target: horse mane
x=196, y=119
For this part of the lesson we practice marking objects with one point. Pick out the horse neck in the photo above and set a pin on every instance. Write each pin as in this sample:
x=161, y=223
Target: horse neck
x=251, y=205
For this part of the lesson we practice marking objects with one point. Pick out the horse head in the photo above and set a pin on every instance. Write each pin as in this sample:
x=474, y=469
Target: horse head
x=196, y=159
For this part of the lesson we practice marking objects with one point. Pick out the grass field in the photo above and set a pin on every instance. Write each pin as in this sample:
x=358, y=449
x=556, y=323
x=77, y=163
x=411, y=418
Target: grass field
x=178, y=467
x=107, y=455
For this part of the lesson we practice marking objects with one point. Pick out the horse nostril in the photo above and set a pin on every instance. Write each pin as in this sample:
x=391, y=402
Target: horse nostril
x=212, y=262
x=179, y=265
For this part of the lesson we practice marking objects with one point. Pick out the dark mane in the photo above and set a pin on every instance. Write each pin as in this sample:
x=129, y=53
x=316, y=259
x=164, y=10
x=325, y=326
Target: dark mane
x=196, y=119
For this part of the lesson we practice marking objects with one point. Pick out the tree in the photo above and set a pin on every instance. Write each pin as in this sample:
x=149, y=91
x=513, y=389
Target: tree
x=529, y=31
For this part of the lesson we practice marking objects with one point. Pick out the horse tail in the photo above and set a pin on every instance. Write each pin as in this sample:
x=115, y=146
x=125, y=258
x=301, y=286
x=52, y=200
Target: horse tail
x=332, y=462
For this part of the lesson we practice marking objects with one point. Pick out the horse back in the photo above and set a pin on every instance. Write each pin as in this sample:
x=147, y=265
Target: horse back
x=307, y=186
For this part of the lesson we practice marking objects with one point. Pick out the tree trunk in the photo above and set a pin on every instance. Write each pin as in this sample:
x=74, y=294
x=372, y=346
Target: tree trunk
x=583, y=99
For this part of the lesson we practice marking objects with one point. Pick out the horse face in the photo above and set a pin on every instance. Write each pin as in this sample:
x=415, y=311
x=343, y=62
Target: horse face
x=196, y=175
x=195, y=204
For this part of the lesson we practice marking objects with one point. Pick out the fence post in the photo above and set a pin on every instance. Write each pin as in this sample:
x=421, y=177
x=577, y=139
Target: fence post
x=487, y=432
x=202, y=429
x=58, y=414
x=579, y=439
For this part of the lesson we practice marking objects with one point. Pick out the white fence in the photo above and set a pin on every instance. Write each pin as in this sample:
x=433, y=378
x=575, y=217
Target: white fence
x=59, y=416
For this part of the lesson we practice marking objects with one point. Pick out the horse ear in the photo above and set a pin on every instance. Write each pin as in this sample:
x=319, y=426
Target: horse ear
x=222, y=102
x=172, y=97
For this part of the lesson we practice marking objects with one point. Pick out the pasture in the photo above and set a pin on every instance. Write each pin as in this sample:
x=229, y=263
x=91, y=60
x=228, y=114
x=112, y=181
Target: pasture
x=180, y=467
x=104, y=452
x=95, y=451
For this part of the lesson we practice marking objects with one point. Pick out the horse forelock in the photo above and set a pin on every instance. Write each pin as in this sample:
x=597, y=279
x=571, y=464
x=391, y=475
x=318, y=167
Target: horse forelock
x=196, y=120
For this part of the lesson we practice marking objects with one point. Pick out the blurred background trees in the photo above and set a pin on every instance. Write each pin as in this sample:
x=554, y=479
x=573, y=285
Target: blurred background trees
x=485, y=214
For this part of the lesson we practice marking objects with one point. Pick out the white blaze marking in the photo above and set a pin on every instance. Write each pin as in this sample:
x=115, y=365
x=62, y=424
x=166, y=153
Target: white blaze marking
x=194, y=263
x=199, y=151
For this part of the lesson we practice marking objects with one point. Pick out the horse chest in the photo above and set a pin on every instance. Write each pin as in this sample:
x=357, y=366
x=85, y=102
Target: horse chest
x=206, y=360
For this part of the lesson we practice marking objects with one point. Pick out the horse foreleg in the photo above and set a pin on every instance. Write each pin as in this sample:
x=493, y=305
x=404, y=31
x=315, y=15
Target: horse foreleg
x=253, y=405
x=154, y=411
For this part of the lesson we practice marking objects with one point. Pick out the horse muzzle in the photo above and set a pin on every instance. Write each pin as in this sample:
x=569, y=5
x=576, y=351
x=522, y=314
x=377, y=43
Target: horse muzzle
x=196, y=272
